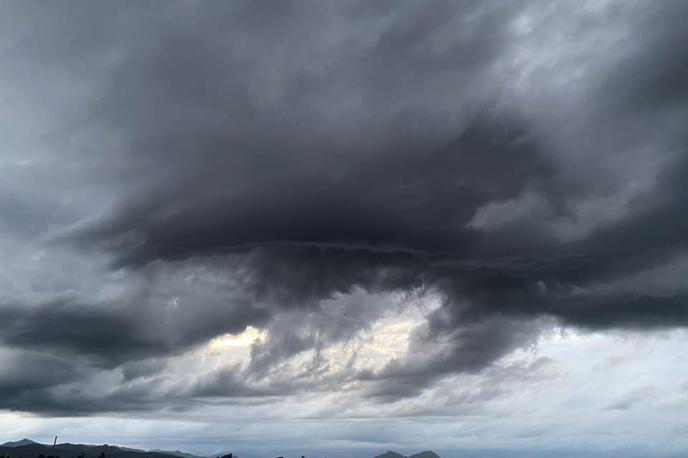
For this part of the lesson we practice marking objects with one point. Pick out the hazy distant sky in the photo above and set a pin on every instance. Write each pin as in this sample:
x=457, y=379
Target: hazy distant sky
x=356, y=225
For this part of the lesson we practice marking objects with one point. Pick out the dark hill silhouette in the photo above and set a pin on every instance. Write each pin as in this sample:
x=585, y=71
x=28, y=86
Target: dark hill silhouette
x=390, y=454
x=18, y=443
x=178, y=453
x=35, y=450
x=425, y=454
x=27, y=448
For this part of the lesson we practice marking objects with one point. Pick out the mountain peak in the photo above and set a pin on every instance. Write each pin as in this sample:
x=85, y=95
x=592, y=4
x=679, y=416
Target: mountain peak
x=425, y=454
x=19, y=443
x=390, y=454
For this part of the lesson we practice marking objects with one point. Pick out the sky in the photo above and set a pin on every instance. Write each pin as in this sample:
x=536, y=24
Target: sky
x=342, y=227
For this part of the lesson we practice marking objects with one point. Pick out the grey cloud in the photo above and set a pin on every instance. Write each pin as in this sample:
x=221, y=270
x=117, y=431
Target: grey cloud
x=76, y=326
x=166, y=313
x=132, y=370
x=228, y=383
x=629, y=400
x=444, y=347
x=26, y=371
x=300, y=151
x=336, y=320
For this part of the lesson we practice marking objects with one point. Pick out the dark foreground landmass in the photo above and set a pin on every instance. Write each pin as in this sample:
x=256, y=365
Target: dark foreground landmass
x=27, y=448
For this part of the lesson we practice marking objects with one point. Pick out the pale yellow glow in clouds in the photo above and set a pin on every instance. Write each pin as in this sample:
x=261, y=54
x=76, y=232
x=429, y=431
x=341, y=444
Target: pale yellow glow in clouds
x=242, y=340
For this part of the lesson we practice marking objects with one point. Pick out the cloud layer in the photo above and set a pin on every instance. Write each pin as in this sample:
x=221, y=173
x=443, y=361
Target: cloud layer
x=178, y=172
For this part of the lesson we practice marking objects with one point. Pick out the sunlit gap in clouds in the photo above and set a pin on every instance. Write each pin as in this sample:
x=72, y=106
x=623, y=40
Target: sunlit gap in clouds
x=372, y=345
x=245, y=339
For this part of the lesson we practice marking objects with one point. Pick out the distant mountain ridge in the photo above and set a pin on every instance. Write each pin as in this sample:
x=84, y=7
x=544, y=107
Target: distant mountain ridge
x=27, y=448
x=390, y=454
x=18, y=443
x=178, y=453
x=424, y=454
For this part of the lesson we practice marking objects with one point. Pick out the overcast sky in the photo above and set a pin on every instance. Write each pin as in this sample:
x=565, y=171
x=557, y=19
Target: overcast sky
x=343, y=227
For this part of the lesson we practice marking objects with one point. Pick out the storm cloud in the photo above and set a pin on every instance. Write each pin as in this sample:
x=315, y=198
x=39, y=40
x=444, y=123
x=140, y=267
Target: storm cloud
x=181, y=171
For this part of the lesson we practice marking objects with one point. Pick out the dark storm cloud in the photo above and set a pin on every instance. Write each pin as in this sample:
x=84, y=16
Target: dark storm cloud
x=76, y=326
x=324, y=148
x=298, y=172
x=27, y=371
x=167, y=315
